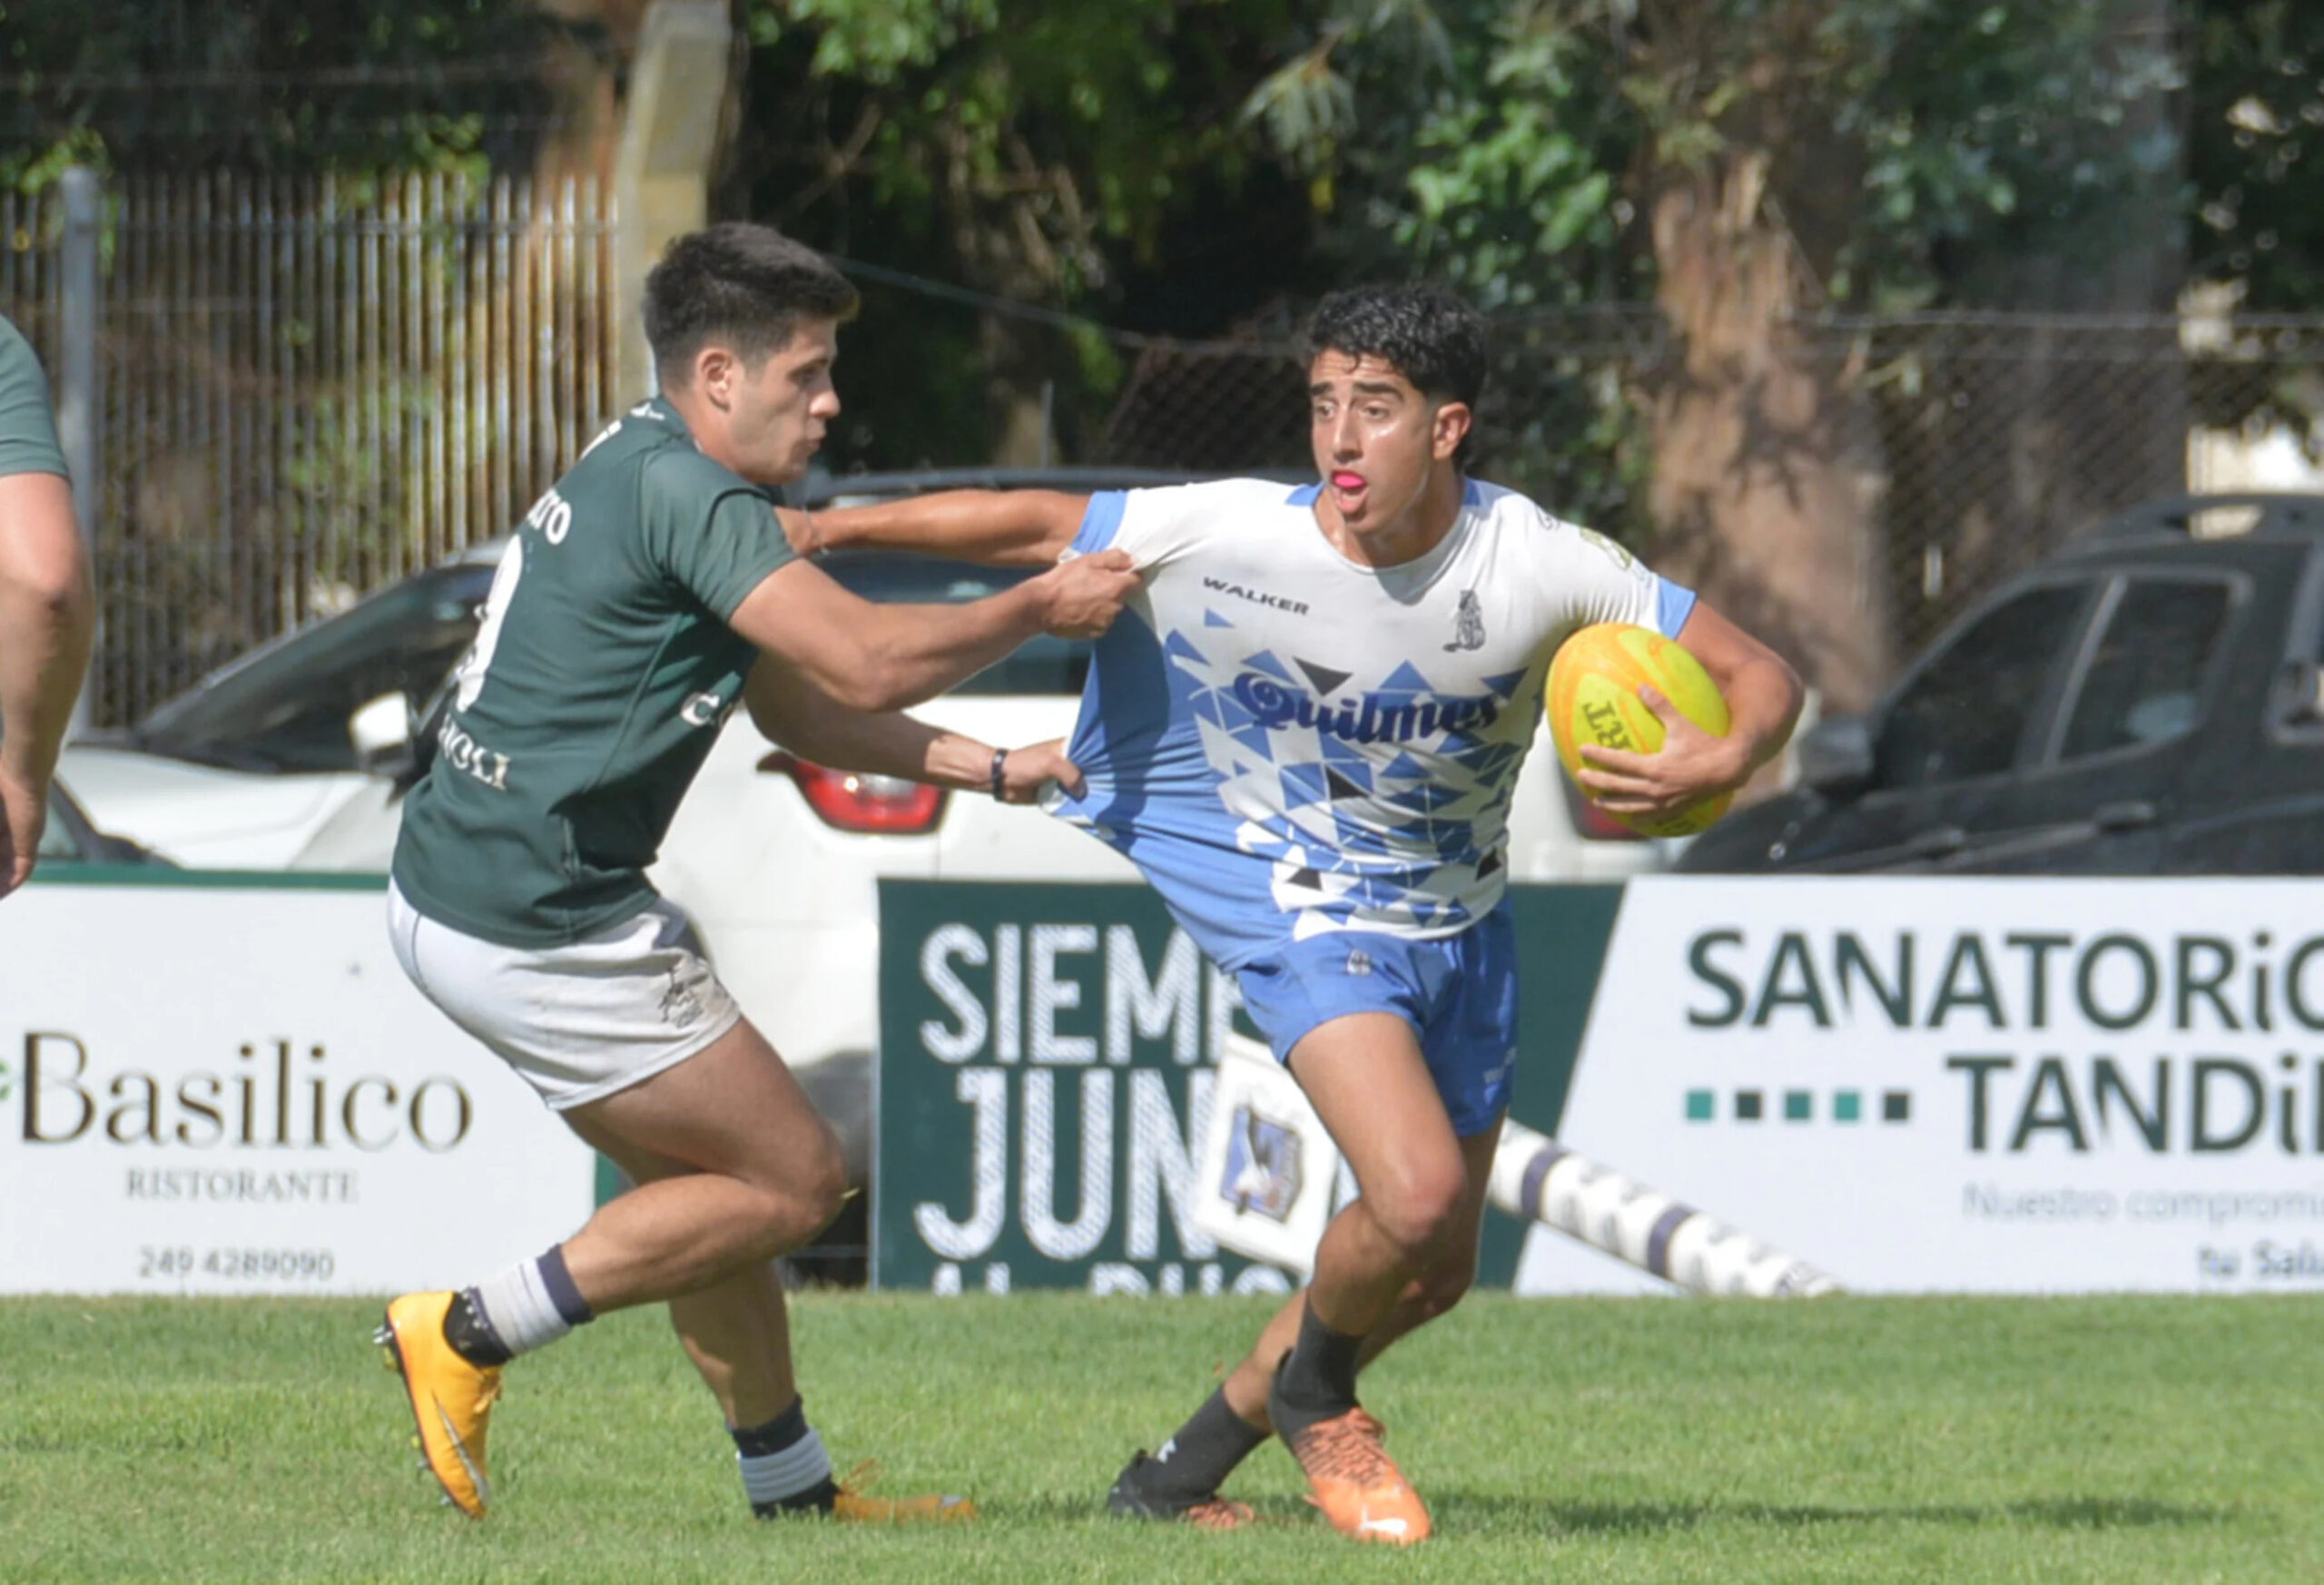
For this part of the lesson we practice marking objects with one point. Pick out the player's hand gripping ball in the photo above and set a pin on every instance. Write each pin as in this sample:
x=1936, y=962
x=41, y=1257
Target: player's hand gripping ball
x=1593, y=697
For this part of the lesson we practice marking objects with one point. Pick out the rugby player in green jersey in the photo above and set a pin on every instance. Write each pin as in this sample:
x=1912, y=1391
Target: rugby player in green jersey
x=47, y=615
x=644, y=597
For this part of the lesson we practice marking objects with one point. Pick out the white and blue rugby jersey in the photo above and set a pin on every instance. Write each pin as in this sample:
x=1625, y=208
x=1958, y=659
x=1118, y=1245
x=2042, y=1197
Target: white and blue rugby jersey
x=1287, y=743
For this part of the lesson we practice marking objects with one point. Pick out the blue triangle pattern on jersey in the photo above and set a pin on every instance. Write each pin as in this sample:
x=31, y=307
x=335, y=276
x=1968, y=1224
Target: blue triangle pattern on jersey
x=1213, y=619
x=1496, y=759
x=1257, y=739
x=1347, y=756
x=1233, y=714
x=1406, y=679
x=1431, y=796
x=1301, y=784
x=1265, y=663
x=1505, y=685
x=1177, y=648
x=1404, y=766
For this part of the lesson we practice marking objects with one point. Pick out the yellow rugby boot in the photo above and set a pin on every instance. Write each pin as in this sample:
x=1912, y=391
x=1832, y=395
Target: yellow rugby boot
x=451, y=1398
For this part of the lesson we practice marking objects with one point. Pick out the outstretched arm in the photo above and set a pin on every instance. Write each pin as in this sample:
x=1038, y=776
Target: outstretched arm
x=874, y=656
x=803, y=718
x=995, y=527
x=1763, y=697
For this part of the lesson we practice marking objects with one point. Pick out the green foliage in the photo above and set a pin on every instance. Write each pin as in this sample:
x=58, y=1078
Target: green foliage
x=273, y=84
x=2258, y=121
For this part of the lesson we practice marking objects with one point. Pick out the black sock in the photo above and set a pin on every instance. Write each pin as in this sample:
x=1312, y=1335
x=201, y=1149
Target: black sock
x=1316, y=1380
x=471, y=1335
x=1202, y=1453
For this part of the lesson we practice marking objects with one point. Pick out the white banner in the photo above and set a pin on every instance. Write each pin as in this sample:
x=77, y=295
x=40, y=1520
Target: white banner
x=2016, y=1086
x=232, y=1089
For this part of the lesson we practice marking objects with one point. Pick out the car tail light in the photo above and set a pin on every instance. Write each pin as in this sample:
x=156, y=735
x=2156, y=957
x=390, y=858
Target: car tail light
x=853, y=800
x=1594, y=823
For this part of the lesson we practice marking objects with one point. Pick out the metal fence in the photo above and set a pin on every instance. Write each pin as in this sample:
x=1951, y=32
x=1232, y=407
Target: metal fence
x=1978, y=443
x=312, y=387
x=309, y=388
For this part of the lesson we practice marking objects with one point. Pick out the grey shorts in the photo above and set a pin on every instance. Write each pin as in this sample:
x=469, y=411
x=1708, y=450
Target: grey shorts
x=578, y=1021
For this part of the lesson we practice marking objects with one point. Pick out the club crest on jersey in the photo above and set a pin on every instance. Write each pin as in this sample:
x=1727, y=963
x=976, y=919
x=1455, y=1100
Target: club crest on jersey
x=1468, y=624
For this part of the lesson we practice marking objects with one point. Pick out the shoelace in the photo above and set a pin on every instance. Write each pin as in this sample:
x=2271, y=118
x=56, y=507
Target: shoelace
x=1348, y=1447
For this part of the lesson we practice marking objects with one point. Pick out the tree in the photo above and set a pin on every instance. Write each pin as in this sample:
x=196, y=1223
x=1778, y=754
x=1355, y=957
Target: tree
x=1764, y=168
x=1040, y=159
x=270, y=85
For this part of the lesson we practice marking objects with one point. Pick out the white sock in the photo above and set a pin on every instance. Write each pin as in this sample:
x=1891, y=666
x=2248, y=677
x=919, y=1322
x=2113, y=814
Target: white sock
x=770, y=1478
x=520, y=1305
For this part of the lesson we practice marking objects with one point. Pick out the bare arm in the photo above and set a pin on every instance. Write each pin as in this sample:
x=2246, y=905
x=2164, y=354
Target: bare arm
x=803, y=718
x=46, y=622
x=994, y=527
x=1763, y=698
x=873, y=656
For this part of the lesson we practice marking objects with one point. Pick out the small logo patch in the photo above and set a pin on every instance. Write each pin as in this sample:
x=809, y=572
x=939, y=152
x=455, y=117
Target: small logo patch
x=1468, y=624
x=1359, y=963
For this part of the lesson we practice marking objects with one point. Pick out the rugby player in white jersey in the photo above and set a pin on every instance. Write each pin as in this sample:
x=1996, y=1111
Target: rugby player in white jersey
x=1307, y=740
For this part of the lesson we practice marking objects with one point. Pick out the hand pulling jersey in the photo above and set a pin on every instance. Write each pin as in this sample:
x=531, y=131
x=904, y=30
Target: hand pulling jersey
x=1290, y=744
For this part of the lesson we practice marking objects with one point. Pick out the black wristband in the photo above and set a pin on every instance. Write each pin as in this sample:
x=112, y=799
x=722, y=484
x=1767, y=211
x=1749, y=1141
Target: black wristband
x=1000, y=770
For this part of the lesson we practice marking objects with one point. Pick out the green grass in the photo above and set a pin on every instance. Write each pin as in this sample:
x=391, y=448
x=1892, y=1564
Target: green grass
x=1845, y=1439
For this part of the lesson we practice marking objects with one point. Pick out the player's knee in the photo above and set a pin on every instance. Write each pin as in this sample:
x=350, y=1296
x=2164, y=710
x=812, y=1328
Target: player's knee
x=1420, y=1208
x=820, y=1187
x=799, y=1197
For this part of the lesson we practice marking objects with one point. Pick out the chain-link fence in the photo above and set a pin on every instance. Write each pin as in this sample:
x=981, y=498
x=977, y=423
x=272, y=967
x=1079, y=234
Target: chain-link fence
x=1971, y=445
x=311, y=389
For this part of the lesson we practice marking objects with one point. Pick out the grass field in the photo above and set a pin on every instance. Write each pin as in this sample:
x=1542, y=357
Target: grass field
x=1844, y=1439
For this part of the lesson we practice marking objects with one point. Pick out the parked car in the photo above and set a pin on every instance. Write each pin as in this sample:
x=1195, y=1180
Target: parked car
x=69, y=839
x=2148, y=701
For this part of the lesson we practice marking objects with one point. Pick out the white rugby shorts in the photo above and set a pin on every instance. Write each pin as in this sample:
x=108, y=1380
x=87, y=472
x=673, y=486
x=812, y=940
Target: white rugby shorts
x=578, y=1021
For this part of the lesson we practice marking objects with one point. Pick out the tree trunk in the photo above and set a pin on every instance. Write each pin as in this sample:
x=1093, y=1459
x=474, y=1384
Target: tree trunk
x=1765, y=461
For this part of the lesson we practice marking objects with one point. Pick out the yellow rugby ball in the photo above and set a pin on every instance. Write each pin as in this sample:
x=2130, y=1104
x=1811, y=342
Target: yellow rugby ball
x=1593, y=697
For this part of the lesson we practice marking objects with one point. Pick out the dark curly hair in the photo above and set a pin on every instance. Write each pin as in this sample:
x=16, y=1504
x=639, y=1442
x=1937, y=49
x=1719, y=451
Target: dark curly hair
x=745, y=284
x=1427, y=333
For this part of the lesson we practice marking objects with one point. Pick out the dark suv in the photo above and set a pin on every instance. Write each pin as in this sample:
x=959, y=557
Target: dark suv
x=2149, y=702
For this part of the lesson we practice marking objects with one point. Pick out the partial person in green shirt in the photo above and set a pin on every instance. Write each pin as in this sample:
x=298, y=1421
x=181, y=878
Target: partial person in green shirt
x=648, y=594
x=47, y=617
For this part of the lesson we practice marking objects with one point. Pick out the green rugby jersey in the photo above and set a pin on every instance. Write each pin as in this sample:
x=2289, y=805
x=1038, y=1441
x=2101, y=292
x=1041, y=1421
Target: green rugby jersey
x=27, y=425
x=600, y=675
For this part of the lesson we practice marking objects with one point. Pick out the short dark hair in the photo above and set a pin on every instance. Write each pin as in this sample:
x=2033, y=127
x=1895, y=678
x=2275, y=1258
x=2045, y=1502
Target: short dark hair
x=1427, y=333
x=739, y=283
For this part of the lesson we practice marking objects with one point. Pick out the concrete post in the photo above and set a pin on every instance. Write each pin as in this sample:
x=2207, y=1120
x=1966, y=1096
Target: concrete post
x=79, y=406
x=670, y=125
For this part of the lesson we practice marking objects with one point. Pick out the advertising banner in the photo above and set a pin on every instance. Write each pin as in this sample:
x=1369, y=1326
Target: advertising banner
x=1047, y=1056
x=1998, y=1086
x=1910, y=1084
x=231, y=1089
x=1048, y=1059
